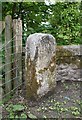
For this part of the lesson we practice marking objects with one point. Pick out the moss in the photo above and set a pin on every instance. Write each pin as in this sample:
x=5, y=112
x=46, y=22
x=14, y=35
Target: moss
x=42, y=70
x=31, y=81
x=60, y=51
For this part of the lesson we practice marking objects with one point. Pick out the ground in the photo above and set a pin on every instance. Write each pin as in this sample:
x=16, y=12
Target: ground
x=63, y=102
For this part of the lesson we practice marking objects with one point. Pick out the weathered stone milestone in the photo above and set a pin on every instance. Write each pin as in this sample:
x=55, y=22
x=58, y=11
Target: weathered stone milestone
x=40, y=64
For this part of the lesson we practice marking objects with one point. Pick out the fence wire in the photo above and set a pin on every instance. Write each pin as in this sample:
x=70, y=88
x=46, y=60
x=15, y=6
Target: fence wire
x=5, y=44
x=14, y=66
x=12, y=40
x=13, y=89
x=14, y=46
x=13, y=61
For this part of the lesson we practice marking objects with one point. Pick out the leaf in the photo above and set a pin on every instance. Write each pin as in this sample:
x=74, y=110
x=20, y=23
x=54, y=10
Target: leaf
x=23, y=115
x=1, y=103
x=11, y=115
x=65, y=37
x=50, y=107
x=16, y=116
x=76, y=113
x=44, y=116
x=60, y=36
x=9, y=108
x=30, y=115
x=18, y=107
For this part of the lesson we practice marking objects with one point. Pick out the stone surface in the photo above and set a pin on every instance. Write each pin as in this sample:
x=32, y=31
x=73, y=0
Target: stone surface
x=40, y=64
x=69, y=54
x=68, y=63
x=73, y=48
x=68, y=72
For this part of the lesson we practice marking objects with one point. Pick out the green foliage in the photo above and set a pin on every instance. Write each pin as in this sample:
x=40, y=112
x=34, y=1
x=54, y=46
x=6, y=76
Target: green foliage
x=65, y=20
x=18, y=107
x=14, y=111
x=61, y=20
x=75, y=111
x=23, y=115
